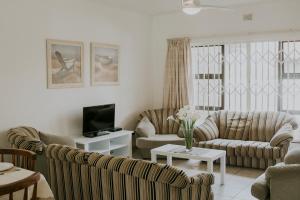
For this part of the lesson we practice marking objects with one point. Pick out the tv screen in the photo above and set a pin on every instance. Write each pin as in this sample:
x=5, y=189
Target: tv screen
x=98, y=118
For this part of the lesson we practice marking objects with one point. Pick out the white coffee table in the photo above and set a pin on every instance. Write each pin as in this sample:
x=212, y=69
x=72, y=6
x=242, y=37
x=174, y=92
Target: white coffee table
x=201, y=154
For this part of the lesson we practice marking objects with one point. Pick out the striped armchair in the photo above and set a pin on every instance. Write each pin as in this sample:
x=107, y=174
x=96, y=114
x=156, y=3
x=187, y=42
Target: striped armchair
x=251, y=139
x=165, y=131
x=31, y=139
x=79, y=175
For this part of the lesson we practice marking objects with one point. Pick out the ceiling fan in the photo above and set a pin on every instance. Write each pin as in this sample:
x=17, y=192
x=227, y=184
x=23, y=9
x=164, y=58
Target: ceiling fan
x=192, y=7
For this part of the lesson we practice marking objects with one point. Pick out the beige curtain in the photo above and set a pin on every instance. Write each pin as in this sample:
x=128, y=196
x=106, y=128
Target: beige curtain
x=177, y=88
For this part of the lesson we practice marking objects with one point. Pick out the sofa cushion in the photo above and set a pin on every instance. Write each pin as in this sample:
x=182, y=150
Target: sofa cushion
x=158, y=140
x=292, y=157
x=260, y=189
x=243, y=148
x=56, y=139
x=145, y=128
x=283, y=135
x=252, y=126
x=206, y=130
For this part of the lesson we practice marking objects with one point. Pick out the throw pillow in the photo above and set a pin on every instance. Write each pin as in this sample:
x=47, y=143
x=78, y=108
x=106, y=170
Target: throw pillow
x=284, y=134
x=207, y=130
x=145, y=128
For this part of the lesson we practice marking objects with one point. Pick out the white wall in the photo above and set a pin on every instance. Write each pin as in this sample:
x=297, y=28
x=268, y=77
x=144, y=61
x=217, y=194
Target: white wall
x=278, y=20
x=25, y=25
x=24, y=97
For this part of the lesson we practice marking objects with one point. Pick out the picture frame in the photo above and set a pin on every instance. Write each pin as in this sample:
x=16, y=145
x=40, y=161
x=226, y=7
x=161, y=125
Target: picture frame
x=105, y=69
x=65, y=63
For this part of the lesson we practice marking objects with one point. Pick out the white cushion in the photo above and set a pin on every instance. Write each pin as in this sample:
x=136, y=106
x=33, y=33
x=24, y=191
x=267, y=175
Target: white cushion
x=145, y=128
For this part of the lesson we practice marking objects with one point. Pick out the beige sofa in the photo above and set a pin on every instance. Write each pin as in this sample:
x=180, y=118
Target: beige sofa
x=79, y=175
x=251, y=139
x=31, y=139
x=165, y=131
x=280, y=182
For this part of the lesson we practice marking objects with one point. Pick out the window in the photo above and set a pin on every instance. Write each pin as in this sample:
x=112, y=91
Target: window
x=262, y=76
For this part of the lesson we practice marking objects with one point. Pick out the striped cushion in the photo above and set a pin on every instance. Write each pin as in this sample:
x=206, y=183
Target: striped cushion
x=207, y=130
x=283, y=135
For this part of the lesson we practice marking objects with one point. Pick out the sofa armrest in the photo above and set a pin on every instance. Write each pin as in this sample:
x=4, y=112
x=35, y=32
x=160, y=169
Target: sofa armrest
x=203, y=179
x=282, y=137
x=282, y=171
x=260, y=189
x=202, y=184
x=24, y=137
x=27, y=143
x=285, y=178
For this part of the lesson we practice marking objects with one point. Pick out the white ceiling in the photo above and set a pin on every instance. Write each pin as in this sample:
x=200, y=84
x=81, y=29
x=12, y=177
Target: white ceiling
x=155, y=7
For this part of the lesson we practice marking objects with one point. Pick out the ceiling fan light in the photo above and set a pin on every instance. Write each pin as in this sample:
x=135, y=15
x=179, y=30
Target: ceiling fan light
x=191, y=10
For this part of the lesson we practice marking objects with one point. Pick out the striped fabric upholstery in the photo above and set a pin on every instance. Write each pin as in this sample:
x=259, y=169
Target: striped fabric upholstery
x=246, y=137
x=80, y=175
x=254, y=126
x=159, y=118
x=25, y=138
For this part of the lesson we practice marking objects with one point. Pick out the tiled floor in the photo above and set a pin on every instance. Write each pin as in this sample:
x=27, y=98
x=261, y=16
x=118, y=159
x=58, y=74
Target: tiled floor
x=238, y=181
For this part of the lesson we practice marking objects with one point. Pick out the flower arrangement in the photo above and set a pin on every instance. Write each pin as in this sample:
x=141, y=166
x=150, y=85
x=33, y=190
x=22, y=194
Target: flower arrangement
x=186, y=117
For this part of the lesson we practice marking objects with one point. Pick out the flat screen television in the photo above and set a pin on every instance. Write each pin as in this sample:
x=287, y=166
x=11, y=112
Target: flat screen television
x=98, y=119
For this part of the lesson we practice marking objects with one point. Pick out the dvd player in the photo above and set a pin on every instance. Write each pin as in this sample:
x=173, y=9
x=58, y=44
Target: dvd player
x=100, y=133
x=95, y=134
x=114, y=129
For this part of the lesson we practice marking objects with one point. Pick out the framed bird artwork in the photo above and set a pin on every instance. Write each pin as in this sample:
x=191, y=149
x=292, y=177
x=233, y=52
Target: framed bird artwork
x=65, y=64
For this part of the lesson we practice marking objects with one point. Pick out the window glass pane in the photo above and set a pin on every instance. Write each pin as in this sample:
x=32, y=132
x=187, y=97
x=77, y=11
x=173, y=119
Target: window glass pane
x=290, y=96
x=207, y=92
x=291, y=57
x=235, y=77
x=207, y=74
x=263, y=76
x=207, y=60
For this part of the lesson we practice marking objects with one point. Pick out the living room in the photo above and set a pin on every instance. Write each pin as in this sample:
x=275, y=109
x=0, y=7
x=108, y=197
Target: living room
x=214, y=55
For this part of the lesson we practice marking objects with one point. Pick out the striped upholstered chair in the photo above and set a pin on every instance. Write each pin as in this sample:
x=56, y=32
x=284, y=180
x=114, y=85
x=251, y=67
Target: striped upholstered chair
x=78, y=175
x=251, y=139
x=31, y=139
x=166, y=131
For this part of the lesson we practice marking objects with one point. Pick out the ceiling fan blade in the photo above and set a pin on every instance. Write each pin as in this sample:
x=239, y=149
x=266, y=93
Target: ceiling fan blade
x=215, y=7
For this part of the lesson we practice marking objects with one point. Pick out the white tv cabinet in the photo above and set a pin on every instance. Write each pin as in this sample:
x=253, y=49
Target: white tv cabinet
x=115, y=143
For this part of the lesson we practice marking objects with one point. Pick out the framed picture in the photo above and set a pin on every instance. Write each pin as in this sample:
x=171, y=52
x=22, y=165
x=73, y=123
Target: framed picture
x=104, y=64
x=64, y=64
